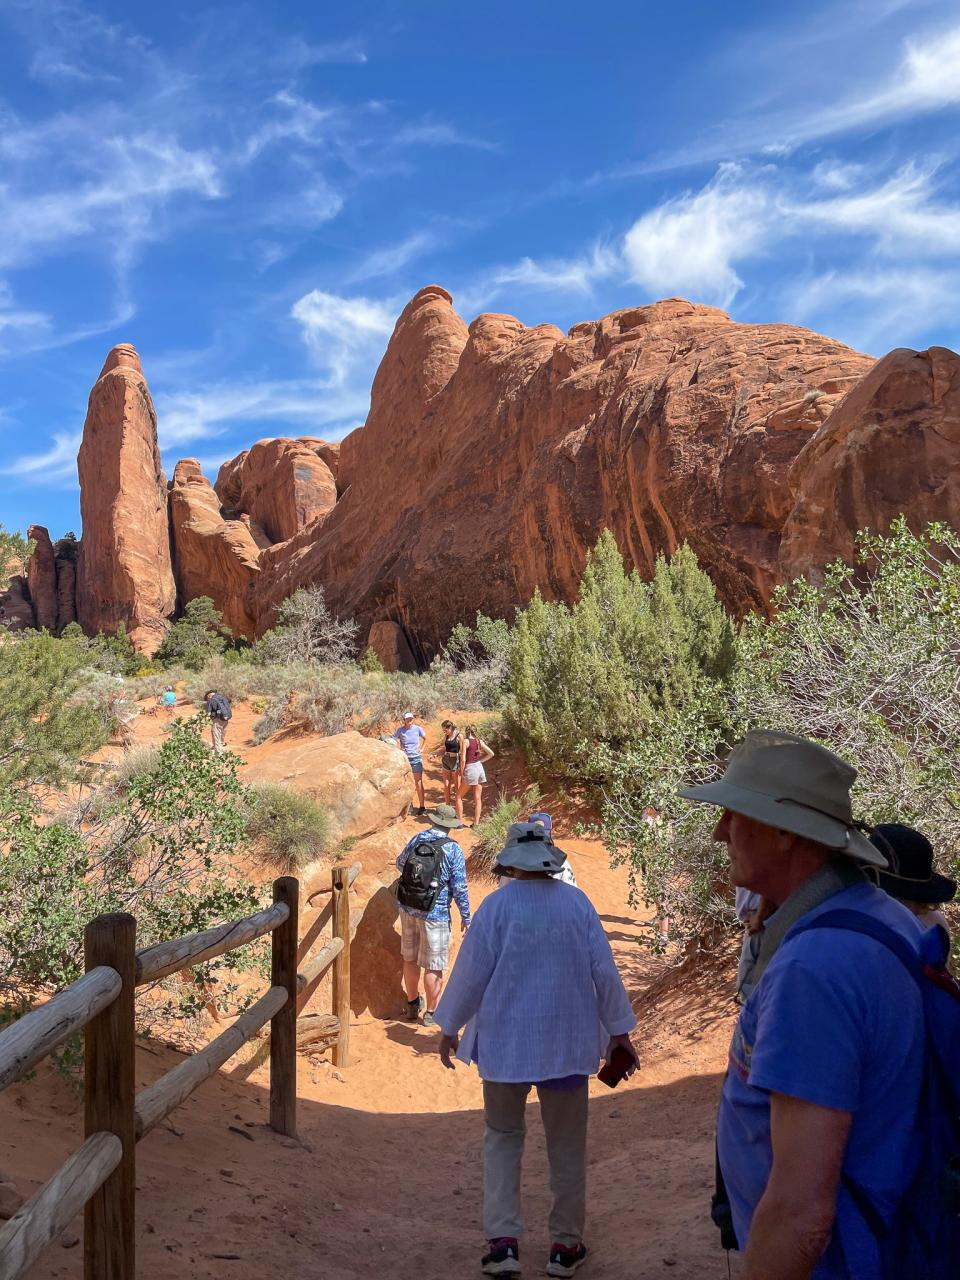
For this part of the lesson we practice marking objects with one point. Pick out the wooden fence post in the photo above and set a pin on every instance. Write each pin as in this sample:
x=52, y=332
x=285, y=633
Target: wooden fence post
x=341, y=966
x=109, y=1099
x=283, y=1025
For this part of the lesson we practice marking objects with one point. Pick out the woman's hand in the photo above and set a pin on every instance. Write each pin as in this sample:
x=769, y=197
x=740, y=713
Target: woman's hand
x=448, y=1046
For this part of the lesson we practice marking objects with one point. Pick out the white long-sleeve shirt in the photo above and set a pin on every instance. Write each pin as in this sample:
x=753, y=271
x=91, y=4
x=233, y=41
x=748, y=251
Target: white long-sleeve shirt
x=535, y=985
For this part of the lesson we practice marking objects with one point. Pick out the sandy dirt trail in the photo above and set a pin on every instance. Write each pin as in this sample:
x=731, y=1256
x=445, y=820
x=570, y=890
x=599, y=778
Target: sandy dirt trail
x=385, y=1179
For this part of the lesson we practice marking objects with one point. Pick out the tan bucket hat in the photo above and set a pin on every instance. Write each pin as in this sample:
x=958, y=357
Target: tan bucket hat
x=792, y=784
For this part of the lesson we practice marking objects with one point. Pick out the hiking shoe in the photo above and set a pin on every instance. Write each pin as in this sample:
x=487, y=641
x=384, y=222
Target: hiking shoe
x=565, y=1258
x=429, y=1019
x=413, y=1009
x=503, y=1258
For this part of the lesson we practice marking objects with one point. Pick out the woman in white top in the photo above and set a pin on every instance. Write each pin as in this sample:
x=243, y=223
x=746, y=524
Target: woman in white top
x=536, y=987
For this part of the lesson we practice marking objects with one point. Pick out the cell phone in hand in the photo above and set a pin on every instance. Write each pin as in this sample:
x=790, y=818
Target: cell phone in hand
x=612, y=1072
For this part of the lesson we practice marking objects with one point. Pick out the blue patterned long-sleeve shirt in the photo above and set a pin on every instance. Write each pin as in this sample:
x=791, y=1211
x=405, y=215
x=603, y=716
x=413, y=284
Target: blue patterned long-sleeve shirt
x=453, y=878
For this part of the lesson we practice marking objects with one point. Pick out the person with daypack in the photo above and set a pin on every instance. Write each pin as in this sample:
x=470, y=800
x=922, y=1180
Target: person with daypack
x=536, y=987
x=910, y=876
x=540, y=818
x=168, y=700
x=220, y=712
x=409, y=738
x=432, y=871
x=474, y=753
x=821, y=1137
x=449, y=760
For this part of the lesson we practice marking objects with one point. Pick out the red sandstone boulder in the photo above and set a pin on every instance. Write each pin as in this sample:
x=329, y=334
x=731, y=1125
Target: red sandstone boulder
x=493, y=457
x=212, y=556
x=389, y=642
x=364, y=783
x=281, y=484
x=124, y=573
x=891, y=446
x=42, y=579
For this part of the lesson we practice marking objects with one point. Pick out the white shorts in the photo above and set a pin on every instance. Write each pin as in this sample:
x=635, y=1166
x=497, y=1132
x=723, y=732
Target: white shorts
x=473, y=774
x=424, y=942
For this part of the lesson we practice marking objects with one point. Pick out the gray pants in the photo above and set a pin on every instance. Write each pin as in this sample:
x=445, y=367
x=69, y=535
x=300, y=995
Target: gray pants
x=564, y=1116
x=218, y=731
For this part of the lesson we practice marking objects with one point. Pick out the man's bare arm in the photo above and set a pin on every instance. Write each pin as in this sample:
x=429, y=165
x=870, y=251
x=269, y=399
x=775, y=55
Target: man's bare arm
x=794, y=1220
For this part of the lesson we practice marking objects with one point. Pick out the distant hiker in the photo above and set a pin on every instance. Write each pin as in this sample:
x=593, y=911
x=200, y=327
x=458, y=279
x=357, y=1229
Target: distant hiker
x=474, y=753
x=220, y=712
x=409, y=737
x=168, y=700
x=539, y=818
x=432, y=871
x=820, y=1103
x=910, y=877
x=537, y=989
x=449, y=758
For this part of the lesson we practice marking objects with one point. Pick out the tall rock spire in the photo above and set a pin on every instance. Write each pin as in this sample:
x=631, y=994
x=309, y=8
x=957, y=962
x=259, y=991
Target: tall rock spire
x=124, y=573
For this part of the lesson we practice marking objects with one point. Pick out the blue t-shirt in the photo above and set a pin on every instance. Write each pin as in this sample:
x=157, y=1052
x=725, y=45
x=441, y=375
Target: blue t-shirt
x=169, y=698
x=838, y=1021
x=410, y=739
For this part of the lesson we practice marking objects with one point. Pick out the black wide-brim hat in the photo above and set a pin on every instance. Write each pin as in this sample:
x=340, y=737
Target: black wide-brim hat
x=910, y=876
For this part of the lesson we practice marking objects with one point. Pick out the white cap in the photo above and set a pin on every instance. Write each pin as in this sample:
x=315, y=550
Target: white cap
x=408, y=715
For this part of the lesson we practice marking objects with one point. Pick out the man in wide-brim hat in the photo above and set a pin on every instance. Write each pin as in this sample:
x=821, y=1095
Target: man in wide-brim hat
x=537, y=989
x=825, y=1064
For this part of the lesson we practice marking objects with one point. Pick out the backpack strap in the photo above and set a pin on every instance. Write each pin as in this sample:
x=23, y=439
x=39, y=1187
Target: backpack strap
x=869, y=926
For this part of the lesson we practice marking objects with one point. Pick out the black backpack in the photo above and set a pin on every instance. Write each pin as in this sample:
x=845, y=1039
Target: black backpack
x=220, y=707
x=419, y=886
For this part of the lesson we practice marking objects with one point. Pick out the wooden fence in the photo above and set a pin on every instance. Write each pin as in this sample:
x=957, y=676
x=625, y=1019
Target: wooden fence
x=100, y=1177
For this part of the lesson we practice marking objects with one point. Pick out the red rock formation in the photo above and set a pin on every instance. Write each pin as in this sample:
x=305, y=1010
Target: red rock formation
x=124, y=572
x=390, y=644
x=892, y=446
x=66, y=593
x=493, y=457
x=213, y=557
x=16, y=611
x=42, y=579
x=283, y=485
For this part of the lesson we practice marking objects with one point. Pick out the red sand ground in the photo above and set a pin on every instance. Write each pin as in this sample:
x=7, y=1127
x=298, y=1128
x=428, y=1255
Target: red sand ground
x=386, y=1178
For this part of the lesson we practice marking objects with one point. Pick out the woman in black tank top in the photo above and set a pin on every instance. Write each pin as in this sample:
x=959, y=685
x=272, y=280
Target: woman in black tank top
x=449, y=759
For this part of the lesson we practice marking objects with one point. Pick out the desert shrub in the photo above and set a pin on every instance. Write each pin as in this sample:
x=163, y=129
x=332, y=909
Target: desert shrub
x=151, y=684
x=52, y=710
x=327, y=699
x=15, y=551
x=67, y=547
x=491, y=831
x=370, y=664
x=113, y=654
x=163, y=850
x=868, y=663
x=287, y=828
x=236, y=680
x=474, y=663
x=196, y=637
x=271, y=721
x=307, y=632
x=602, y=672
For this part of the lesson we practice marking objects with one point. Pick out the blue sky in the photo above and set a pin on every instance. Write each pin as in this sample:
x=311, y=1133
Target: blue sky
x=250, y=193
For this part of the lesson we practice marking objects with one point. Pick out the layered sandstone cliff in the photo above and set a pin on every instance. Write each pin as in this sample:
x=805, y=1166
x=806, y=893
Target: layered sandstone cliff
x=492, y=458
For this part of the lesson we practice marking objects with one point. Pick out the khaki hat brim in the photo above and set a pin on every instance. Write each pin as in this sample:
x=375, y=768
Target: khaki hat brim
x=450, y=824
x=787, y=815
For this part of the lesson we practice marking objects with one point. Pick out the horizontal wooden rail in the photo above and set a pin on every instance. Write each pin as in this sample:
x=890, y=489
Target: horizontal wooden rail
x=28, y=1040
x=47, y=1214
x=170, y=957
x=167, y=1093
x=311, y=973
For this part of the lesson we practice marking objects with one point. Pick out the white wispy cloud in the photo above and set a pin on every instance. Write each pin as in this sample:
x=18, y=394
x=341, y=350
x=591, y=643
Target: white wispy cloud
x=343, y=333
x=392, y=258
x=877, y=305
x=577, y=275
x=53, y=465
x=439, y=133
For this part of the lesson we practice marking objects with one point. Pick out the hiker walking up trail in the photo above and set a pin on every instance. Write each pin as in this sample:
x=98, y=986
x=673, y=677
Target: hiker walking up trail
x=474, y=753
x=537, y=989
x=220, y=712
x=820, y=1133
x=432, y=871
x=409, y=737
